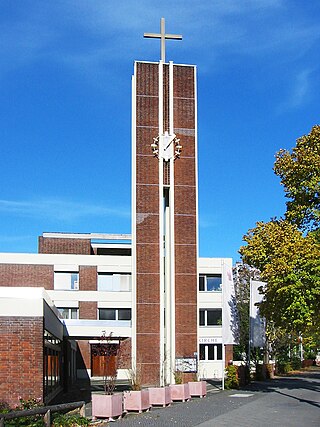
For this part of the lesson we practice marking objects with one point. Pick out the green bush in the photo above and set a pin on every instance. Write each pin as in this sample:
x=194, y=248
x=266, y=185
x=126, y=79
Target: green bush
x=33, y=421
x=296, y=363
x=4, y=407
x=65, y=420
x=232, y=380
x=283, y=367
x=58, y=419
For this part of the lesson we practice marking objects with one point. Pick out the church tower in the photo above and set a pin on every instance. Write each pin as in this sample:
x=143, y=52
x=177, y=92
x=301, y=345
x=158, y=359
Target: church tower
x=164, y=215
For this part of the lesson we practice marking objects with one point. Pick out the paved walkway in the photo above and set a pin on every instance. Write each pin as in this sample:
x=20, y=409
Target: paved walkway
x=282, y=402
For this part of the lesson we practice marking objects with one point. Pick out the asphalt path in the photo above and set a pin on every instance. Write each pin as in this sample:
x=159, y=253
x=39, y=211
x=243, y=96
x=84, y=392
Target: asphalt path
x=286, y=401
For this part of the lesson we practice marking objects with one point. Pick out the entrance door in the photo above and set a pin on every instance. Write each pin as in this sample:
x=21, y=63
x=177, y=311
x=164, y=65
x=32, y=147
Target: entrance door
x=102, y=365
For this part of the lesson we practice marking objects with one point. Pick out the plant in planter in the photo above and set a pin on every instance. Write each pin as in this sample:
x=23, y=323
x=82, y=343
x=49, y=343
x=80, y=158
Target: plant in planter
x=160, y=396
x=108, y=405
x=197, y=387
x=179, y=391
x=136, y=399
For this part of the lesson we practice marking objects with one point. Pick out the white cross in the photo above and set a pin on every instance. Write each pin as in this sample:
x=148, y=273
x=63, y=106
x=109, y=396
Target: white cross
x=163, y=36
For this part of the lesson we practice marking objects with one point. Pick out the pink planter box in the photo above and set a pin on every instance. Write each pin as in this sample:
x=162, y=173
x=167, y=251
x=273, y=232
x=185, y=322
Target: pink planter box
x=137, y=400
x=180, y=392
x=160, y=396
x=107, y=405
x=198, y=388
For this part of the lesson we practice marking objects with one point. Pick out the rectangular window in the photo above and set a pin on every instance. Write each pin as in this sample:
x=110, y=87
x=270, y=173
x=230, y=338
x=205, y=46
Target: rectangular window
x=210, y=283
x=110, y=282
x=66, y=281
x=52, y=354
x=210, y=352
x=69, y=313
x=124, y=314
x=210, y=317
x=202, y=283
x=107, y=314
x=114, y=313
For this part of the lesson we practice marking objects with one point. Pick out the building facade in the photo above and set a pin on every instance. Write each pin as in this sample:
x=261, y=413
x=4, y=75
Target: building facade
x=150, y=290
x=74, y=298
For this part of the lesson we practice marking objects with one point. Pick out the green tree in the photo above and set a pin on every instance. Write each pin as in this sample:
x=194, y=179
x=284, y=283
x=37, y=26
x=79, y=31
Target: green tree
x=299, y=172
x=287, y=251
x=242, y=274
x=290, y=264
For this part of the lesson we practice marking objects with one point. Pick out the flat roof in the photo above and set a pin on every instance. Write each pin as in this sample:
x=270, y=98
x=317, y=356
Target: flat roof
x=91, y=236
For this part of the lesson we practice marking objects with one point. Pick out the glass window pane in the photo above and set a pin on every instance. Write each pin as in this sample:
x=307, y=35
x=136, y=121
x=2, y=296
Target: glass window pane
x=219, y=353
x=116, y=282
x=104, y=282
x=214, y=283
x=64, y=312
x=210, y=352
x=107, y=314
x=66, y=281
x=74, y=313
x=202, y=352
x=201, y=283
x=74, y=281
x=124, y=314
x=214, y=317
x=202, y=317
x=62, y=281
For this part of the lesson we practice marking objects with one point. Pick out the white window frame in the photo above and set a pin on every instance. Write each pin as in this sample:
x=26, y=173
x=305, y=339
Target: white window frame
x=206, y=317
x=206, y=352
x=206, y=276
x=70, y=309
x=117, y=313
x=119, y=282
x=63, y=276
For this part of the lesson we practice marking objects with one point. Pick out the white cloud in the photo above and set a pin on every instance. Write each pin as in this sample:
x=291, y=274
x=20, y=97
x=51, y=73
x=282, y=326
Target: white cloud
x=59, y=209
x=299, y=91
x=92, y=36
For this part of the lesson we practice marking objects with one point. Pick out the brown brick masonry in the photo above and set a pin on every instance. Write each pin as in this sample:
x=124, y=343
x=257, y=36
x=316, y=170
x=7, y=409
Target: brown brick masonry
x=21, y=358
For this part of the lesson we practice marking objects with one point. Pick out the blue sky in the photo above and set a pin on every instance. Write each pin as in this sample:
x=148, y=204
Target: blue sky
x=65, y=101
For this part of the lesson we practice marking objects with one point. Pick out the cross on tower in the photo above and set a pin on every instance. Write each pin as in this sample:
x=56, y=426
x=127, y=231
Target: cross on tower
x=163, y=36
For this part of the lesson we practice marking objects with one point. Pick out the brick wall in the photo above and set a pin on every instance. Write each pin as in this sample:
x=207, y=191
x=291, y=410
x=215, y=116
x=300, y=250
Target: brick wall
x=26, y=275
x=88, y=310
x=148, y=209
x=147, y=227
x=51, y=245
x=21, y=358
x=83, y=355
x=88, y=278
x=185, y=218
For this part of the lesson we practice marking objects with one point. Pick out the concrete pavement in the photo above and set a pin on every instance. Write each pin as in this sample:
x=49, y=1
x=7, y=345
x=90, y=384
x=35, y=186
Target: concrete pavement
x=287, y=401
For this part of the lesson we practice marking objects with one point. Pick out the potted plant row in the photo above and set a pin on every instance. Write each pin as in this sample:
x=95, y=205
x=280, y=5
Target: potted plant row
x=136, y=399
x=109, y=404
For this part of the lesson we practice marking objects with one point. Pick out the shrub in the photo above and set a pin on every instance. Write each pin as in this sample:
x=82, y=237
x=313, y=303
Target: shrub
x=296, y=363
x=283, y=367
x=4, y=407
x=232, y=380
x=33, y=421
x=178, y=377
x=65, y=420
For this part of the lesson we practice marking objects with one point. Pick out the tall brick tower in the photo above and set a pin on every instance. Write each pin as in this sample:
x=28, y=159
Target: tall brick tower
x=164, y=215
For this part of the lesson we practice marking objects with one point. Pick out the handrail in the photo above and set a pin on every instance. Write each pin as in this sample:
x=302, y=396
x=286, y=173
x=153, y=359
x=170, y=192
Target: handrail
x=43, y=410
